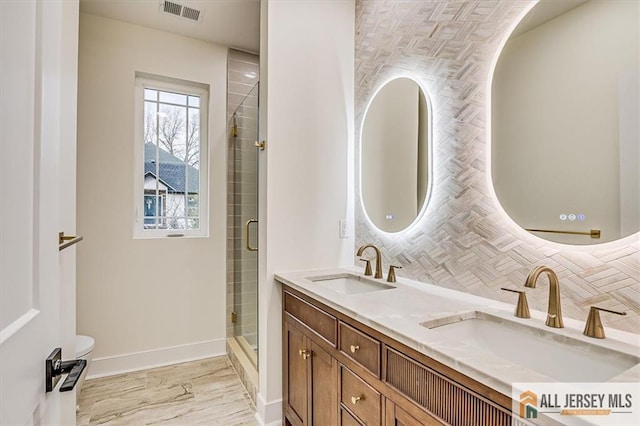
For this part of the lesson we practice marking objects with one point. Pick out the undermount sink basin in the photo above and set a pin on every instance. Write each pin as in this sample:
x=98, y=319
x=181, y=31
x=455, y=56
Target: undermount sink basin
x=350, y=284
x=557, y=356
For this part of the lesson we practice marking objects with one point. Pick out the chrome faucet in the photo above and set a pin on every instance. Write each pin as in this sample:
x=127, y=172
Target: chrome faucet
x=554, y=310
x=378, y=258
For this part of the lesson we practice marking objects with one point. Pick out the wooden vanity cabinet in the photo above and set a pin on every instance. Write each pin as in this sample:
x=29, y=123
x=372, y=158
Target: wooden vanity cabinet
x=337, y=371
x=310, y=379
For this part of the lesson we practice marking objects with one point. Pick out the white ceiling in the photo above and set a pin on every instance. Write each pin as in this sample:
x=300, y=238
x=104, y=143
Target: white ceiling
x=233, y=23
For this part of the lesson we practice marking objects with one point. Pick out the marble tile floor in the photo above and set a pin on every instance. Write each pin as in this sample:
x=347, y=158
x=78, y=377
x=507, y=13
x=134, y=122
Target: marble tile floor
x=204, y=392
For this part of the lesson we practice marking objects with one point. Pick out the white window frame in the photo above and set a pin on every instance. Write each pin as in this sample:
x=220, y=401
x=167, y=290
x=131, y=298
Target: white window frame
x=148, y=81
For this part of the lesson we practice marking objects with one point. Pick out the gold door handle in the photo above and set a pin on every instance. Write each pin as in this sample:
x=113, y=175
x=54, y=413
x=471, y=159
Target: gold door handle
x=305, y=353
x=246, y=235
x=354, y=348
x=65, y=241
x=355, y=399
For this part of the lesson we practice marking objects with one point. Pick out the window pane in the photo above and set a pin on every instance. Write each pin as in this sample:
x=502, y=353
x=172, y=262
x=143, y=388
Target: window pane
x=153, y=207
x=172, y=131
x=171, y=199
x=175, y=208
x=173, y=98
x=193, y=138
x=150, y=121
x=194, y=101
x=150, y=94
x=181, y=223
x=193, y=211
x=149, y=209
x=193, y=205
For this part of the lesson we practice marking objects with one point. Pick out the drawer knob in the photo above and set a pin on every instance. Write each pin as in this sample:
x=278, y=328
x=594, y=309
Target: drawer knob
x=355, y=399
x=354, y=348
x=305, y=353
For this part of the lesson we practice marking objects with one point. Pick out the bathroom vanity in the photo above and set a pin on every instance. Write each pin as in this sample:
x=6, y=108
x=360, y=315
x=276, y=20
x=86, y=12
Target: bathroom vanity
x=357, y=350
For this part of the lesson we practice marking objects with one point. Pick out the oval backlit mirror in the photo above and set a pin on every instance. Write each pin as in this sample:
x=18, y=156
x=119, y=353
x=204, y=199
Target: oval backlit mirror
x=565, y=140
x=395, y=155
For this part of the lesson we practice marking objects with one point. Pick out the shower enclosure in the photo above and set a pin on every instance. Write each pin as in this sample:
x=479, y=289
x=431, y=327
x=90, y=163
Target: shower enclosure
x=243, y=223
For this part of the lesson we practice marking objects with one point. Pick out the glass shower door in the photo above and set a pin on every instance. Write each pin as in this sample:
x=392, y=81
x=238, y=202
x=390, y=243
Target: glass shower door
x=245, y=224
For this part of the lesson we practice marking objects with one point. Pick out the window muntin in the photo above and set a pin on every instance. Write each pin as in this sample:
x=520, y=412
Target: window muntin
x=171, y=196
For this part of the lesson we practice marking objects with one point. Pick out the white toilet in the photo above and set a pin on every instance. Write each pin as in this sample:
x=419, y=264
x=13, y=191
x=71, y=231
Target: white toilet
x=84, y=350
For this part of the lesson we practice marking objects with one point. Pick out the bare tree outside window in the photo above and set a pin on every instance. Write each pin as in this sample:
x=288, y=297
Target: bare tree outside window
x=172, y=132
x=172, y=159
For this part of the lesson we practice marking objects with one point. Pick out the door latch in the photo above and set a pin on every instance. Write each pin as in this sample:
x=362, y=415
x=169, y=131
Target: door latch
x=55, y=367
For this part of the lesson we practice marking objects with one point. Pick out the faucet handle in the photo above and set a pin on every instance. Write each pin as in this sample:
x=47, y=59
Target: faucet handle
x=391, y=276
x=593, y=327
x=367, y=266
x=522, y=308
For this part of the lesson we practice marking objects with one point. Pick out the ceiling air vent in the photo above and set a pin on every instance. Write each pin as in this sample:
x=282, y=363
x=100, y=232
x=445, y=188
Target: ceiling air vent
x=189, y=13
x=172, y=8
x=177, y=9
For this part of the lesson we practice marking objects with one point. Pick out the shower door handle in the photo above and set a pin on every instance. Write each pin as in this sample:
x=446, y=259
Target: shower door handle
x=246, y=235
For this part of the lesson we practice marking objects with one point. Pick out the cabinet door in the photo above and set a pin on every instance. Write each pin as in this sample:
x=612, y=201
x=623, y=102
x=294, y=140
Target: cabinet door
x=396, y=416
x=324, y=387
x=296, y=376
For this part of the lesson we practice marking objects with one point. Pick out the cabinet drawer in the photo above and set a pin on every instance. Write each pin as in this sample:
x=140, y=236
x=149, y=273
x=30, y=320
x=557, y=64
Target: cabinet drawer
x=362, y=399
x=319, y=321
x=360, y=347
x=396, y=416
x=347, y=419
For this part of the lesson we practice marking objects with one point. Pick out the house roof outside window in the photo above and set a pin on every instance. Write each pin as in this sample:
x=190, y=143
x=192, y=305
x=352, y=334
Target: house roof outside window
x=171, y=170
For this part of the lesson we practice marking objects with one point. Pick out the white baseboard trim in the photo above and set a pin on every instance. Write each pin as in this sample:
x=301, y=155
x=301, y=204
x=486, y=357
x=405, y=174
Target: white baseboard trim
x=268, y=414
x=112, y=365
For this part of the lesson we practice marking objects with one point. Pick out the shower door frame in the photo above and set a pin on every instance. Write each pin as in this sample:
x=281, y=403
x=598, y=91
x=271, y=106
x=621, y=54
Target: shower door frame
x=245, y=228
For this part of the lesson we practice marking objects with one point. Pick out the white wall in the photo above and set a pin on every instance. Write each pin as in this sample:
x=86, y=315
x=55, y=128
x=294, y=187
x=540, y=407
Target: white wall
x=68, y=197
x=555, y=120
x=163, y=297
x=307, y=63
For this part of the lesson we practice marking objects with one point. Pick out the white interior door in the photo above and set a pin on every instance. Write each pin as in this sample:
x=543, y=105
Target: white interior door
x=34, y=113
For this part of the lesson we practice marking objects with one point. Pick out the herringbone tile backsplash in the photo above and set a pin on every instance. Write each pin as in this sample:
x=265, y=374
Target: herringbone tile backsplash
x=465, y=241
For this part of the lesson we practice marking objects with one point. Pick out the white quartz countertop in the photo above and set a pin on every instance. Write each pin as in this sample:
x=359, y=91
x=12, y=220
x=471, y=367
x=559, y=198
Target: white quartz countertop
x=399, y=312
